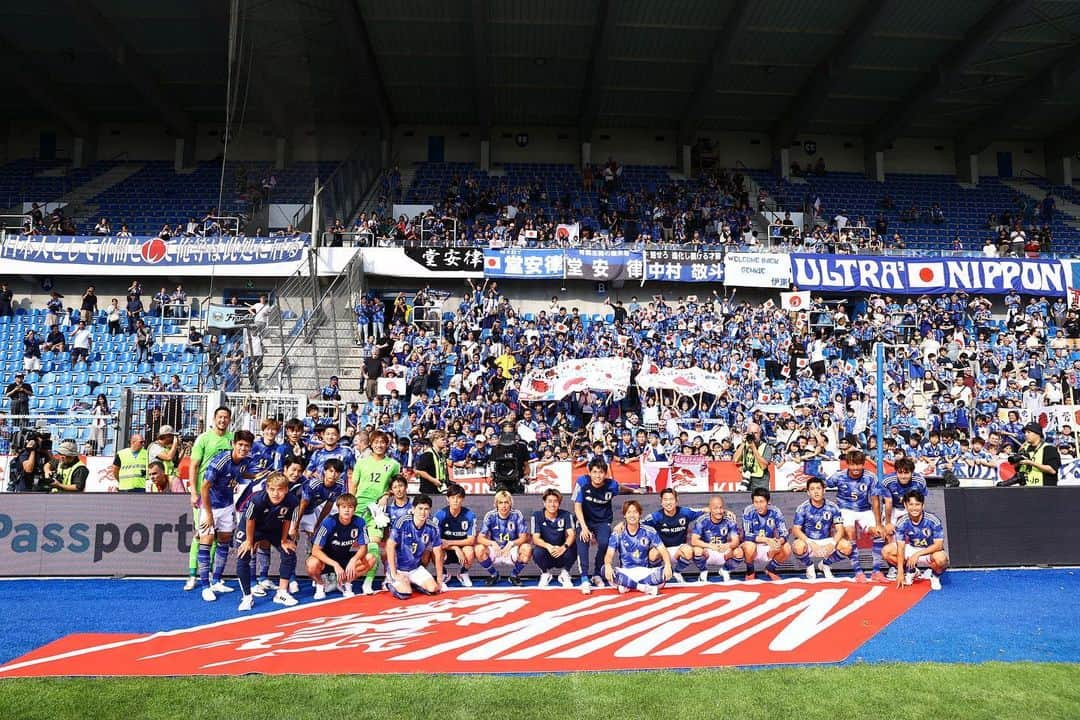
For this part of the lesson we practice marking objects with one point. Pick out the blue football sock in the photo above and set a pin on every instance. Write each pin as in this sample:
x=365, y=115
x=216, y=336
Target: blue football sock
x=204, y=564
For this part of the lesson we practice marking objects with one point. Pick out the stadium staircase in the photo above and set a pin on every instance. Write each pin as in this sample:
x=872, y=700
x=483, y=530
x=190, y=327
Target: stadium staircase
x=1037, y=191
x=77, y=199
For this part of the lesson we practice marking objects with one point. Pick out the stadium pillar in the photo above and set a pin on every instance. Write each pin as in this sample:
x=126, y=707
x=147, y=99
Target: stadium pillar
x=687, y=160
x=967, y=167
x=874, y=161
x=184, y=153
x=83, y=151
x=485, y=155
x=782, y=162
x=586, y=153
x=282, y=153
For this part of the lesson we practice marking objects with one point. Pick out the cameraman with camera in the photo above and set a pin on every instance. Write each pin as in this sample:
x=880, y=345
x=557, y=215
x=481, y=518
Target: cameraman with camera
x=26, y=473
x=753, y=458
x=1037, y=463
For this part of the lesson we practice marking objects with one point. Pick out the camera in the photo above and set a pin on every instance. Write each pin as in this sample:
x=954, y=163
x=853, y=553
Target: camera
x=1016, y=459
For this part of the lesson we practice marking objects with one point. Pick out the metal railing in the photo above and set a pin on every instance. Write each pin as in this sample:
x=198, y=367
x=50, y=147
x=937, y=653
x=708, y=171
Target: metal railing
x=95, y=435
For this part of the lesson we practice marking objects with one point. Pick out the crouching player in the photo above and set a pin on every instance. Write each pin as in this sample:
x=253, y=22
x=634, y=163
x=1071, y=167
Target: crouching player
x=920, y=542
x=818, y=528
x=457, y=527
x=673, y=523
x=714, y=540
x=267, y=520
x=553, y=540
x=892, y=489
x=855, y=495
x=503, y=540
x=411, y=537
x=633, y=543
x=765, y=536
x=341, y=545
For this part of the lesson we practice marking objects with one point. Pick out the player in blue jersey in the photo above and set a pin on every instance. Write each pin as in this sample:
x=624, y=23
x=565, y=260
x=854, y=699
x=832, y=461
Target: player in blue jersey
x=340, y=545
x=854, y=494
x=458, y=529
x=411, y=537
x=920, y=542
x=267, y=454
x=890, y=493
x=503, y=540
x=330, y=449
x=217, y=514
x=592, y=508
x=818, y=529
x=765, y=536
x=398, y=503
x=672, y=522
x=715, y=541
x=634, y=543
x=267, y=521
x=553, y=540
x=319, y=493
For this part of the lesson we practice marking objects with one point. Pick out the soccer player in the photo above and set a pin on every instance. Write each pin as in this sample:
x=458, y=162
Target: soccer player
x=319, y=495
x=920, y=542
x=634, y=543
x=553, y=540
x=398, y=503
x=818, y=529
x=410, y=538
x=293, y=471
x=854, y=490
x=503, y=540
x=764, y=536
x=458, y=528
x=217, y=515
x=267, y=521
x=592, y=508
x=341, y=544
x=673, y=522
x=370, y=483
x=206, y=447
x=267, y=454
x=331, y=450
x=891, y=490
x=714, y=540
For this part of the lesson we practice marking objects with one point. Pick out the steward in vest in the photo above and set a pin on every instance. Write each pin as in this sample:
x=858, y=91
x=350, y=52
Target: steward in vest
x=1036, y=462
x=130, y=466
x=71, y=474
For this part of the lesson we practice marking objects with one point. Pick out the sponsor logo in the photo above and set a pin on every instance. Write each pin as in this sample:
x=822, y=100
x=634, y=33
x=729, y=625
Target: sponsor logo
x=99, y=539
x=513, y=631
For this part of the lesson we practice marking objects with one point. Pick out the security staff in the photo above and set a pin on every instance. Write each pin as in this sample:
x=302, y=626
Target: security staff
x=130, y=466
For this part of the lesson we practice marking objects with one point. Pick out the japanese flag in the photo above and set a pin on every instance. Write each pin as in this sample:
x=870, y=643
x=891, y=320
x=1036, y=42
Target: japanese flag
x=925, y=275
x=493, y=262
x=795, y=301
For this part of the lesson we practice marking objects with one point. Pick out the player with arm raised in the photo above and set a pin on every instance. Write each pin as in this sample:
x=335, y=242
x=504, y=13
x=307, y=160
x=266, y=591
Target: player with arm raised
x=920, y=542
x=553, y=540
x=267, y=520
x=714, y=541
x=765, y=536
x=411, y=537
x=341, y=545
x=633, y=544
x=818, y=529
x=503, y=540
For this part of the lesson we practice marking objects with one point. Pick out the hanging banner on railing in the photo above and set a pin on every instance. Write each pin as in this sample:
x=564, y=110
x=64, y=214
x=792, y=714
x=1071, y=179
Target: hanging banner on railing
x=683, y=266
x=178, y=256
x=549, y=384
x=757, y=270
x=523, y=263
x=1071, y=269
x=228, y=317
x=466, y=262
x=917, y=276
x=603, y=265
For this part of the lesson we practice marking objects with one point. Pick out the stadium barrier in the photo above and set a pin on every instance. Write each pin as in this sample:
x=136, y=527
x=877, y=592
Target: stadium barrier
x=118, y=534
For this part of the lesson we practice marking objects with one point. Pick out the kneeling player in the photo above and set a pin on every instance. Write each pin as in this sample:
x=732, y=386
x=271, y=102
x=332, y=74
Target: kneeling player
x=672, y=522
x=634, y=542
x=818, y=528
x=457, y=527
x=714, y=540
x=553, y=540
x=267, y=521
x=410, y=538
x=764, y=536
x=920, y=542
x=892, y=489
x=340, y=545
x=503, y=540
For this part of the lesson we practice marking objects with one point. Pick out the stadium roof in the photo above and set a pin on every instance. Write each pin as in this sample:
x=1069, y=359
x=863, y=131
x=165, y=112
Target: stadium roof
x=976, y=70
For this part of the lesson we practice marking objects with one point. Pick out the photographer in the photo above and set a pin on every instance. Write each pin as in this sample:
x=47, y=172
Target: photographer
x=27, y=469
x=1037, y=463
x=71, y=474
x=753, y=457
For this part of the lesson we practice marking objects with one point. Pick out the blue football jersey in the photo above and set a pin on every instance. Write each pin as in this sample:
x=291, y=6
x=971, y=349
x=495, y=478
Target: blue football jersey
x=890, y=487
x=758, y=527
x=552, y=530
x=341, y=541
x=412, y=542
x=672, y=528
x=852, y=493
x=922, y=534
x=265, y=457
x=395, y=511
x=715, y=533
x=269, y=518
x=222, y=475
x=320, y=456
x=458, y=527
x=316, y=492
x=817, y=523
x=633, y=548
x=595, y=501
x=503, y=530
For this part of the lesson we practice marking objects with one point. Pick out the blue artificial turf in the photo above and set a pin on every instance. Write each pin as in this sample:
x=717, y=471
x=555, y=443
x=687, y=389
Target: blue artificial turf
x=1002, y=615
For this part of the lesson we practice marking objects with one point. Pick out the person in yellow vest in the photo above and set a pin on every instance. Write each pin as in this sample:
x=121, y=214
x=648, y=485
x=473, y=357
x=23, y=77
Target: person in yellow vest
x=1037, y=463
x=166, y=449
x=71, y=474
x=130, y=466
x=753, y=457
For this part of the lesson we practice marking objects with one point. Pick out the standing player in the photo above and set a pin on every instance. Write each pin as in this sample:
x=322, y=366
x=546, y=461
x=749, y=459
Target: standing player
x=411, y=537
x=854, y=490
x=891, y=489
x=818, y=529
x=764, y=536
x=592, y=508
x=503, y=540
x=370, y=484
x=217, y=515
x=553, y=540
x=206, y=447
x=634, y=543
x=398, y=503
x=341, y=545
x=267, y=454
x=331, y=450
x=319, y=494
x=673, y=522
x=920, y=542
x=457, y=527
x=714, y=540
x=267, y=520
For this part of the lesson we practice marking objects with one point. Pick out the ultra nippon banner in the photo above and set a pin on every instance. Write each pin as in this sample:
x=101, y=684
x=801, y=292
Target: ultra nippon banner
x=918, y=276
x=258, y=256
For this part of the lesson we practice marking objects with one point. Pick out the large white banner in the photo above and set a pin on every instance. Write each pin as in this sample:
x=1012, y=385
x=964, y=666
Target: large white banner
x=685, y=381
x=606, y=374
x=757, y=270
